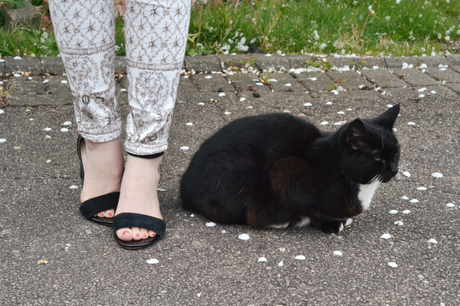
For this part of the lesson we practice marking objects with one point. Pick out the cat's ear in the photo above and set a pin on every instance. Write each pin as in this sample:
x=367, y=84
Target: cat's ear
x=356, y=135
x=388, y=118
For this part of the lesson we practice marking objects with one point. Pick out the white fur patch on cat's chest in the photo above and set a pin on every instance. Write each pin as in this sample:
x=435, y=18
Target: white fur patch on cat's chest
x=366, y=191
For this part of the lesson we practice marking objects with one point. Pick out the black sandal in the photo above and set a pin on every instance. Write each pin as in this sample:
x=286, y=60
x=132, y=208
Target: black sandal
x=125, y=220
x=90, y=208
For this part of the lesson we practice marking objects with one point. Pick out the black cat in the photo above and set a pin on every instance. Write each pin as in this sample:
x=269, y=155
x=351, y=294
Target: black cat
x=278, y=170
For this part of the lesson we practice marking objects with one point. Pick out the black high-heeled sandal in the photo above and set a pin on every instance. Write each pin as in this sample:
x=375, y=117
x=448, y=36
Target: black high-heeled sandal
x=90, y=208
x=129, y=220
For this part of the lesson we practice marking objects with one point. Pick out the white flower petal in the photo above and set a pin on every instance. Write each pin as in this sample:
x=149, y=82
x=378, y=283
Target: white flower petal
x=393, y=212
x=324, y=123
x=399, y=222
x=67, y=123
x=337, y=253
x=64, y=82
x=1, y=111
x=392, y=264
x=210, y=224
x=414, y=201
x=328, y=103
x=208, y=77
x=450, y=205
x=432, y=241
x=405, y=173
x=404, y=198
x=47, y=129
x=185, y=148
x=421, y=188
x=123, y=89
x=340, y=113
x=308, y=104
x=244, y=237
x=422, y=89
x=227, y=113
x=385, y=236
x=152, y=261
x=74, y=187
x=189, y=124
x=262, y=259
x=411, y=123
x=407, y=211
x=201, y=103
x=300, y=257
x=281, y=264
x=2, y=140
x=437, y=174
x=288, y=84
x=64, y=130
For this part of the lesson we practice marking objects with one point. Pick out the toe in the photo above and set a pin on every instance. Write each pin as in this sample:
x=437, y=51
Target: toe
x=144, y=233
x=125, y=234
x=101, y=214
x=152, y=234
x=109, y=213
x=136, y=233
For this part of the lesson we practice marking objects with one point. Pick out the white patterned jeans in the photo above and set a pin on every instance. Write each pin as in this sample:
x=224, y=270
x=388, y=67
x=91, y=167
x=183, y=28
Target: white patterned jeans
x=156, y=36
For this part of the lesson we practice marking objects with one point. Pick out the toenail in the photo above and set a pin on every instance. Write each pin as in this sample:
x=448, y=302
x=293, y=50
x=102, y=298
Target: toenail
x=145, y=236
x=109, y=214
x=125, y=232
x=138, y=235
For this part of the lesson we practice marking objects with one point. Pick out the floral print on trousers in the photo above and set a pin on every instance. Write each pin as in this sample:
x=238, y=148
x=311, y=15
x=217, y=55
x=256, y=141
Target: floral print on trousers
x=155, y=38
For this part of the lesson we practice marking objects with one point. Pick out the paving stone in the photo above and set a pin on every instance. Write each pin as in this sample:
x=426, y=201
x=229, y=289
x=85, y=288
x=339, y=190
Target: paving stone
x=298, y=61
x=215, y=83
x=453, y=59
x=430, y=61
x=314, y=81
x=341, y=62
x=207, y=97
x=29, y=64
x=120, y=64
x=289, y=101
x=353, y=79
x=361, y=94
x=202, y=63
x=285, y=82
x=237, y=60
x=446, y=74
x=243, y=81
x=55, y=85
x=371, y=62
x=455, y=68
x=416, y=92
x=383, y=78
x=35, y=92
x=52, y=65
x=415, y=77
x=2, y=68
x=186, y=85
x=454, y=86
x=276, y=62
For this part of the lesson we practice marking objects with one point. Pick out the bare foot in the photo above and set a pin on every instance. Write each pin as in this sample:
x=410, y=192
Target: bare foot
x=103, y=166
x=139, y=194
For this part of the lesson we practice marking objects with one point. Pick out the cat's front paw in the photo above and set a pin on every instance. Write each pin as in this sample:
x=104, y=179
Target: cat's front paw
x=330, y=226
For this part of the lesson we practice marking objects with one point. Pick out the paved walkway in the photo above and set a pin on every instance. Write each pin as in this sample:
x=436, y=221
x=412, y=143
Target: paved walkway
x=200, y=265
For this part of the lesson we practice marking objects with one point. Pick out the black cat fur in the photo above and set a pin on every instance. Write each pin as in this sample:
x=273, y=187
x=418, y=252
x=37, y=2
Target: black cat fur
x=276, y=169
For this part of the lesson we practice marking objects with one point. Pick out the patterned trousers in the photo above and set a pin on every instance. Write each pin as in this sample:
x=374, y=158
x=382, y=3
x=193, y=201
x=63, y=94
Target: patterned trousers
x=156, y=34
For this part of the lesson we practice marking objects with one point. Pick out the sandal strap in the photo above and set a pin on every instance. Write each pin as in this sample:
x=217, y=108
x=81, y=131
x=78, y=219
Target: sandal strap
x=125, y=220
x=95, y=205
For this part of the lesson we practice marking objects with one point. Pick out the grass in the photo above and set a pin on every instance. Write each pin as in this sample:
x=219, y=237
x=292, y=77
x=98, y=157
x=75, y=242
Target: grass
x=396, y=27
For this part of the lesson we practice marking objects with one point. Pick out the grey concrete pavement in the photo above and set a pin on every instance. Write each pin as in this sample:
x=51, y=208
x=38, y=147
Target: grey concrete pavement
x=200, y=265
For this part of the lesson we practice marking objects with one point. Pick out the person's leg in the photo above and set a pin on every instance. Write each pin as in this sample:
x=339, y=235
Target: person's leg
x=156, y=34
x=85, y=34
